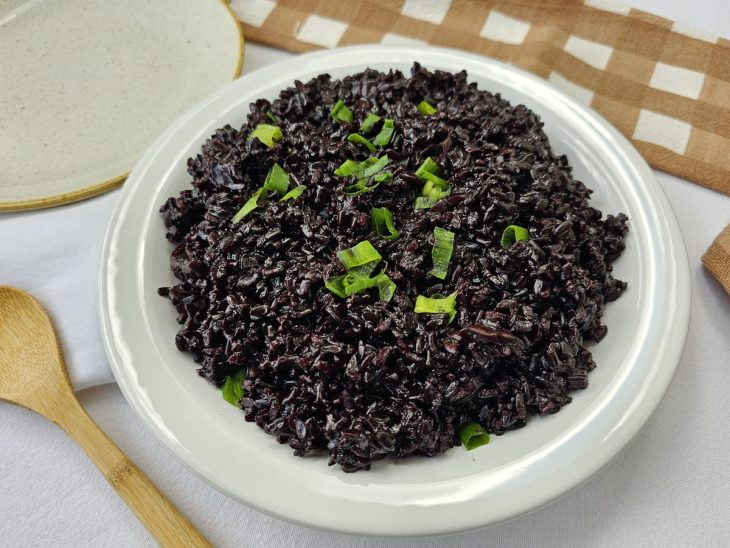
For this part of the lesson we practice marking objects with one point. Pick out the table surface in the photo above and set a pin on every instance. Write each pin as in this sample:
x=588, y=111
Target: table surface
x=670, y=487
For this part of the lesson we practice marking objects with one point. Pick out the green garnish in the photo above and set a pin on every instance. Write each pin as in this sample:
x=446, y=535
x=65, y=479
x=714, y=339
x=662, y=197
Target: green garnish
x=363, y=256
x=512, y=234
x=362, y=186
x=369, y=123
x=233, y=388
x=428, y=166
x=473, y=435
x=268, y=135
x=360, y=261
x=273, y=117
x=441, y=252
x=340, y=112
x=360, y=140
x=364, y=171
x=251, y=204
x=386, y=133
x=437, y=305
x=277, y=180
x=434, y=187
x=294, y=193
x=426, y=109
x=383, y=223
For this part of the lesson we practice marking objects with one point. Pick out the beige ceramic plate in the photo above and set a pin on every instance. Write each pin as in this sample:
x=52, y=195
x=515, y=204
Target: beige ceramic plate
x=87, y=85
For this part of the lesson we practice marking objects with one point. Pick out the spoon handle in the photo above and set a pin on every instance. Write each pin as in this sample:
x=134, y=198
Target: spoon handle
x=166, y=524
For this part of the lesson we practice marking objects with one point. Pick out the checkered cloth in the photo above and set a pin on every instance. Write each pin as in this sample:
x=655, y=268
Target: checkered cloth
x=663, y=85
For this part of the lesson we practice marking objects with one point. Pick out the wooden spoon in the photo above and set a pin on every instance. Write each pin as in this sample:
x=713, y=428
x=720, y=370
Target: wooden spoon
x=33, y=375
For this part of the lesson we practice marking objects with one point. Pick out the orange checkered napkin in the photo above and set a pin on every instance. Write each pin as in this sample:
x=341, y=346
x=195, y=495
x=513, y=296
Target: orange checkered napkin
x=663, y=85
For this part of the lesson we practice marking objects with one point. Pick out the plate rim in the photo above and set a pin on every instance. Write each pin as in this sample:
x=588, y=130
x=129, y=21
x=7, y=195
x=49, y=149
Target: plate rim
x=679, y=328
x=95, y=189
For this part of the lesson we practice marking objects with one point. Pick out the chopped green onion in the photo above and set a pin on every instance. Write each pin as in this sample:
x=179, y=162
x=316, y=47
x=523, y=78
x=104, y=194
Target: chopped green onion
x=366, y=168
x=362, y=186
x=294, y=193
x=473, y=435
x=512, y=234
x=369, y=123
x=351, y=167
x=273, y=117
x=361, y=255
x=251, y=204
x=441, y=252
x=386, y=287
x=336, y=285
x=428, y=166
x=426, y=109
x=433, y=195
x=386, y=133
x=277, y=179
x=374, y=168
x=364, y=171
x=360, y=140
x=268, y=135
x=340, y=112
x=437, y=305
x=233, y=389
x=359, y=262
x=434, y=187
x=383, y=223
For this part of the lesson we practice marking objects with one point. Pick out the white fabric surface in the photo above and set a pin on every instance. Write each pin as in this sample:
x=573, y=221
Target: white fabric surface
x=671, y=487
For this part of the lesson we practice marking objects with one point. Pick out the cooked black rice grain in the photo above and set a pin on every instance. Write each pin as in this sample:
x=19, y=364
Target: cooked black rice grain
x=361, y=378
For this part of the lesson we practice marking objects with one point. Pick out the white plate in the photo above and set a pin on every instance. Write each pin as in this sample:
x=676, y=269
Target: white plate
x=87, y=85
x=461, y=490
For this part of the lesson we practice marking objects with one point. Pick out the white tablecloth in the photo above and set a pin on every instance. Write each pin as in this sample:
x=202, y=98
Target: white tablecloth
x=671, y=487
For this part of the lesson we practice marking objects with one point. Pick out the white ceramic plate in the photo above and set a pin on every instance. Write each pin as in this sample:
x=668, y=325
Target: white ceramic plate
x=87, y=85
x=460, y=490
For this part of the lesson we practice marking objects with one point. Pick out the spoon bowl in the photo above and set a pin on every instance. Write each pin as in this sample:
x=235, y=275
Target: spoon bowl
x=33, y=375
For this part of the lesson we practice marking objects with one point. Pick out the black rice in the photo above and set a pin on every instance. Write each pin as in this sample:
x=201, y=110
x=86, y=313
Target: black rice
x=358, y=377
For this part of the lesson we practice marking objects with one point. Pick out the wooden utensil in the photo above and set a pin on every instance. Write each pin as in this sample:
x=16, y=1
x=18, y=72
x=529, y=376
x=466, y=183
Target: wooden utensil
x=33, y=375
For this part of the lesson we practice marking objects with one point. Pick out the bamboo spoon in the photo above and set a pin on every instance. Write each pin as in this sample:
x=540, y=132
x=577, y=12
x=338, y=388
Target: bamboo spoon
x=33, y=375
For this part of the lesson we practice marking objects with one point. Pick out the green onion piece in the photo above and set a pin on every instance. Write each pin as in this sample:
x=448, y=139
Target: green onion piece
x=433, y=181
x=383, y=223
x=426, y=109
x=363, y=170
x=441, y=252
x=233, y=389
x=273, y=117
x=294, y=193
x=360, y=140
x=340, y=112
x=473, y=435
x=373, y=168
x=351, y=167
x=369, y=123
x=386, y=287
x=268, y=135
x=363, y=256
x=386, y=133
x=362, y=186
x=336, y=285
x=434, y=195
x=437, y=305
x=422, y=202
x=512, y=234
x=277, y=179
x=248, y=207
x=428, y=166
